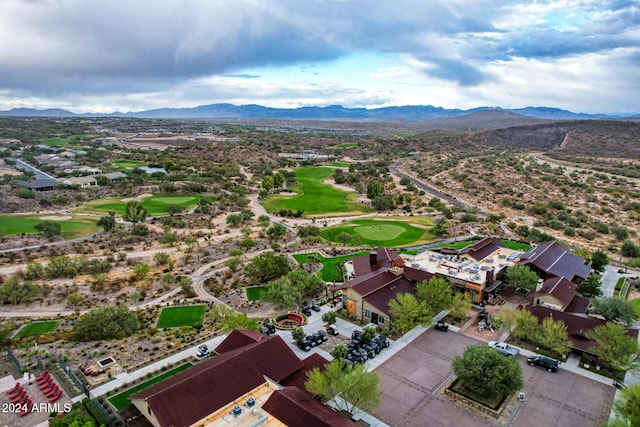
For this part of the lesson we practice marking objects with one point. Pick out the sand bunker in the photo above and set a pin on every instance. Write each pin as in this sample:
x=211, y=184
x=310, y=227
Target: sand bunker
x=56, y=218
x=137, y=199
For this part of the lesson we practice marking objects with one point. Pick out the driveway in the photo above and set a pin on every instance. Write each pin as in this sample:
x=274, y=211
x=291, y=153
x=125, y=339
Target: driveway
x=411, y=378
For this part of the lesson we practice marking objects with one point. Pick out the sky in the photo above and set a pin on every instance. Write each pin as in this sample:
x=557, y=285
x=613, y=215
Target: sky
x=133, y=55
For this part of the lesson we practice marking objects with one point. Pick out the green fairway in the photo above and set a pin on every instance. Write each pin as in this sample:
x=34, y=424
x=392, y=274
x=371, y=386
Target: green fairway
x=35, y=329
x=254, y=293
x=516, y=246
x=67, y=142
x=155, y=205
x=121, y=400
x=77, y=226
x=344, y=146
x=174, y=317
x=314, y=197
x=636, y=305
x=339, y=164
x=128, y=164
x=330, y=266
x=389, y=232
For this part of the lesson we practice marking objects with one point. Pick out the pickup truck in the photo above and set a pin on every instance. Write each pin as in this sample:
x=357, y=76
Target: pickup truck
x=504, y=348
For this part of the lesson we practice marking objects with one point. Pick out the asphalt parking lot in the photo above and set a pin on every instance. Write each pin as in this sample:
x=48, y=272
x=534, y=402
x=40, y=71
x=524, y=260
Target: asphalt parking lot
x=411, y=378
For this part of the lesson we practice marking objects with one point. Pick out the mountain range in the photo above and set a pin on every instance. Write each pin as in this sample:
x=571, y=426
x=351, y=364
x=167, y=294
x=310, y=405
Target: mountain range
x=332, y=112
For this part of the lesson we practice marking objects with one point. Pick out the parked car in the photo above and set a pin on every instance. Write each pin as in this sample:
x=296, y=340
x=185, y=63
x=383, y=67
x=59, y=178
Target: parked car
x=332, y=330
x=504, y=348
x=543, y=362
x=306, y=310
x=315, y=307
x=441, y=326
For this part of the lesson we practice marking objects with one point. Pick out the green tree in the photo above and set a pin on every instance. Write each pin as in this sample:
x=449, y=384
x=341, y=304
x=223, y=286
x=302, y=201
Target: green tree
x=264, y=221
x=374, y=189
x=267, y=183
x=349, y=388
x=16, y=291
x=552, y=334
x=627, y=407
x=487, y=373
x=630, y=249
x=276, y=231
x=436, y=294
x=267, y=266
x=247, y=243
x=141, y=270
x=339, y=352
x=161, y=258
x=48, y=228
x=407, y=312
x=278, y=180
x=134, y=212
x=526, y=326
x=521, y=276
x=440, y=229
x=329, y=317
x=35, y=270
x=108, y=222
x=344, y=237
x=282, y=294
x=614, y=309
x=234, y=220
x=614, y=346
x=620, y=233
x=297, y=333
x=168, y=237
x=229, y=319
x=591, y=287
x=507, y=316
x=233, y=263
x=173, y=209
x=460, y=306
x=110, y=322
x=140, y=230
x=599, y=260
x=74, y=299
x=62, y=266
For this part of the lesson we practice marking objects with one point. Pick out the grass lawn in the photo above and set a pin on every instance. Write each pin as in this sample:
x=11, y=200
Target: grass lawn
x=389, y=232
x=155, y=205
x=174, y=317
x=339, y=164
x=77, y=226
x=254, y=293
x=121, y=400
x=314, y=197
x=330, y=270
x=128, y=164
x=344, y=146
x=67, y=142
x=636, y=305
x=516, y=246
x=35, y=329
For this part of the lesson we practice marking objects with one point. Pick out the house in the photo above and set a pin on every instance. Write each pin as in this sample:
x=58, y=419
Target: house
x=114, y=176
x=558, y=293
x=577, y=325
x=255, y=379
x=475, y=270
x=38, y=184
x=380, y=277
x=83, y=181
x=551, y=259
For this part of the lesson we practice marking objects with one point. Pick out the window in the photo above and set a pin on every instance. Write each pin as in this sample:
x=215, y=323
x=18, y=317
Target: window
x=367, y=314
x=381, y=319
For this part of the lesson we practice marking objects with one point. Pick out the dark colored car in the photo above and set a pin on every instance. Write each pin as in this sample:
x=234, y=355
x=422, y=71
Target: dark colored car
x=441, y=326
x=306, y=310
x=315, y=307
x=543, y=362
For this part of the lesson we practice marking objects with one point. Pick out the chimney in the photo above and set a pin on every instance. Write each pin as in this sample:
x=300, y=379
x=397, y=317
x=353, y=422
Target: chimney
x=373, y=258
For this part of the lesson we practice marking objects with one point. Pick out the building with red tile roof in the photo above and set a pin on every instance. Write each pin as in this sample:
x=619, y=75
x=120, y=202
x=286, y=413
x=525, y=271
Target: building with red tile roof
x=551, y=259
x=248, y=365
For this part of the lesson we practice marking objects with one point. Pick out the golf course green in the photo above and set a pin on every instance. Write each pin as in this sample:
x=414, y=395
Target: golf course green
x=387, y=231
x=71, y=226
x=155, y=205
x=314, y=197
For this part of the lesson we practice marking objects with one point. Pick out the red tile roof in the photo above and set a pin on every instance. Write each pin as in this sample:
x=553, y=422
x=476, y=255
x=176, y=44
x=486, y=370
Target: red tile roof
x=239, y=338
x=483, y=248
x=560, y=288
x=300, y=377
x=295, y=408
x=197, y=392
x=384, y=257
x=555, y=259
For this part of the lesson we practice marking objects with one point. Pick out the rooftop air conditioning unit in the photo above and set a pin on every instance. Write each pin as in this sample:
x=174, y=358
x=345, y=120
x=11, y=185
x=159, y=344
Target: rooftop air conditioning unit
x=251, y=402
x=236, y=411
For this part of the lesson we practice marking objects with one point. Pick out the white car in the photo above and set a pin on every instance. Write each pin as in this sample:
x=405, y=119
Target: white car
x=504, y=348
